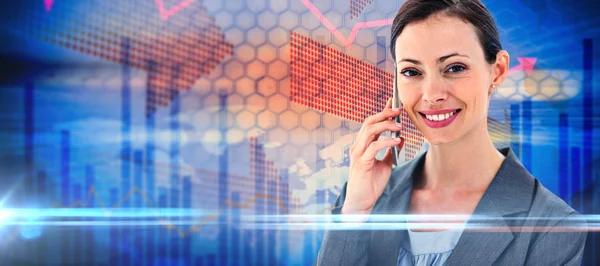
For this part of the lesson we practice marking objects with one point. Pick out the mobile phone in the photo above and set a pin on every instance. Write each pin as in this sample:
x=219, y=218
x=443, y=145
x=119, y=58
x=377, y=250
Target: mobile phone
x=398, y=119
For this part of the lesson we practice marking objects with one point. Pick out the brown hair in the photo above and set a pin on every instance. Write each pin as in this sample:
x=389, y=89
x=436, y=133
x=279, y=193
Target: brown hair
x=471, y=11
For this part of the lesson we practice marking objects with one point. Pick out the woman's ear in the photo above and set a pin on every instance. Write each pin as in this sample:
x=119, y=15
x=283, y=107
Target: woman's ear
x=499, y=69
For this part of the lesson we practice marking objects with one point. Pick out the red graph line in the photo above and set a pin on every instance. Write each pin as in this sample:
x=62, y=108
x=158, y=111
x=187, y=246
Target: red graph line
x=162, y=11
x=347, y=42
x=526, y=64
x=48, y=4
x=165, y=14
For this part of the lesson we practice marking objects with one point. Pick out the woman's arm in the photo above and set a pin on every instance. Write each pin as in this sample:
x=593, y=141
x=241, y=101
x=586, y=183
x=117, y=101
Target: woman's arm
x=558, y=246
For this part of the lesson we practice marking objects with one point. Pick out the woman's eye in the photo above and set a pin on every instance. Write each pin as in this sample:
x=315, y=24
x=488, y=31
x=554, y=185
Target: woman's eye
x=410, y=73
x=456, y=68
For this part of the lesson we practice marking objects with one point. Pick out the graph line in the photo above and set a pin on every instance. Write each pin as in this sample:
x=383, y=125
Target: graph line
x=166, y=13
x=333, y=29
x=163, y=12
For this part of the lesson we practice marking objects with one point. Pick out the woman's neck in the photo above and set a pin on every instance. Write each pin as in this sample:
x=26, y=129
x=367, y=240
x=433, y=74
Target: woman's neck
x=466, y=164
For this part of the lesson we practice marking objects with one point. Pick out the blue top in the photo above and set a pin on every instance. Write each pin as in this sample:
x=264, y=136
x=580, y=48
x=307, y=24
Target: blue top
x=428, y=248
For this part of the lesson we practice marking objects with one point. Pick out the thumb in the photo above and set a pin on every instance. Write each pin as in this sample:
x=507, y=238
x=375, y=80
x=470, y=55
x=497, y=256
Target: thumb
x=388, y=157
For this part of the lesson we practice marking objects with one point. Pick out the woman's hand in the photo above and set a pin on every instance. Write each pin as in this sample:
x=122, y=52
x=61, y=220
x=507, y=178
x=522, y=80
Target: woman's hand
x=369, y=176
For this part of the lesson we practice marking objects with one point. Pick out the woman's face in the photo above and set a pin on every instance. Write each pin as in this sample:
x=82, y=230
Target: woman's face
x=442, y=70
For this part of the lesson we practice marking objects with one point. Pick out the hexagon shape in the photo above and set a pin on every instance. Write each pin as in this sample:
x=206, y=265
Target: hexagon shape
x=331, y=122
x=267, y=86
x=256, y=5
x=299, y=136
x=267, y=120
x=284, y=87
x=288, y=120
x=202, y=120
x=309, y=21
x=322, y=35
x=256, y=69
x=245, y=120
x=245, y=20
x=278, y=70
x=371, y=53
x=278, y=37
x=550, y=87
x=302, y=31
x=267, y=53
x=245, y=86
x=255, y=103
x=234, y=36
x=284, y=52
x=531, y=86
x=334, y=17
x=538, y=75
x=298, y=108
x=375, y=15
x=245, y=53
x=224, y=84
x=278, y=103
x=278, y=6
x=278, y=135
x=210, y=101
x=234, y=70
x=311, y=120
x=323, y=6
x=571, y=87
x=267, y=20
x=321, y=69
x=288, y=20
x=213, y=6
x=353, y=126
x=235, y=103
x=235, y=135
x=506, y=90
x=356, y=51
x=224, y=19
x=321, y=136
x=202, y=86
x=340, y=132
x=256, y=36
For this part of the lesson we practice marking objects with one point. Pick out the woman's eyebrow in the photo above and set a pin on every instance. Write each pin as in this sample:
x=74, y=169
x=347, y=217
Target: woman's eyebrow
x=440, y=60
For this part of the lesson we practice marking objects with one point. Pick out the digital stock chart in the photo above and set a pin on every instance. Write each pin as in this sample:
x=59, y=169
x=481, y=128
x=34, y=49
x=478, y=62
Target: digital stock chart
x=151, y=132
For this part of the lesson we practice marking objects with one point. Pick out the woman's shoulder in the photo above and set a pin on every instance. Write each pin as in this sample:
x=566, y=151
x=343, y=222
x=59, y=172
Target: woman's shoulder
x=551, y=209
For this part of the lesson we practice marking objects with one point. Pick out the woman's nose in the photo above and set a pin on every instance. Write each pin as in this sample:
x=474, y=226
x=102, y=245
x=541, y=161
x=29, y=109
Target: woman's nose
x=434, y=91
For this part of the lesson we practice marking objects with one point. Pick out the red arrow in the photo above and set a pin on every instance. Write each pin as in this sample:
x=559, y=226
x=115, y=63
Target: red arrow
x=527, y=64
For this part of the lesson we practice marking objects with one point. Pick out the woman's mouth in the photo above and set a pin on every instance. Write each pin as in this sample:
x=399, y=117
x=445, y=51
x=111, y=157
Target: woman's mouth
x=440, y=120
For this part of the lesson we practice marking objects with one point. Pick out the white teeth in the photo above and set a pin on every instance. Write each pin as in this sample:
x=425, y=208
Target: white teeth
x=441, y=117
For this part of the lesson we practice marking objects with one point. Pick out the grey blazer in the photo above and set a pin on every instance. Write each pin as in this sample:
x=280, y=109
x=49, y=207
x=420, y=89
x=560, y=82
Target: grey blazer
x=513, y=192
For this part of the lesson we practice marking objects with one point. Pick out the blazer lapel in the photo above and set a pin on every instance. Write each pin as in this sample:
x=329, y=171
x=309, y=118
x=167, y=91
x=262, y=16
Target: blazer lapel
x=510, y=192
x=385, y=244
x=480, y=247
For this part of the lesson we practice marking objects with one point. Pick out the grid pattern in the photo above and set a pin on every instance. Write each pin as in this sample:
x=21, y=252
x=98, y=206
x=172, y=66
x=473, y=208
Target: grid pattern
x=175, y=53
x=357, y=6
x=330, y=81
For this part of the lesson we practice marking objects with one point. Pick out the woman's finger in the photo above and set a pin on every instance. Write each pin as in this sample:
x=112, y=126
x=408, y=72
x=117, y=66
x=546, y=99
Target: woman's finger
x=376, y=146
x=372, y=133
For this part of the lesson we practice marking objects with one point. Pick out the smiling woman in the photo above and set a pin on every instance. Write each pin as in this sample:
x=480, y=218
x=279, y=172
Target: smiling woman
x=449, y=61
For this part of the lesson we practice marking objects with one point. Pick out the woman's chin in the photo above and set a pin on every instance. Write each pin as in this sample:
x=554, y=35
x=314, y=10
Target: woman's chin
x=439, y=140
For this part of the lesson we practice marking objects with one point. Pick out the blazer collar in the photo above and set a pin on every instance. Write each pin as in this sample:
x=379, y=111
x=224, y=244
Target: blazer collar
x=510, y=192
